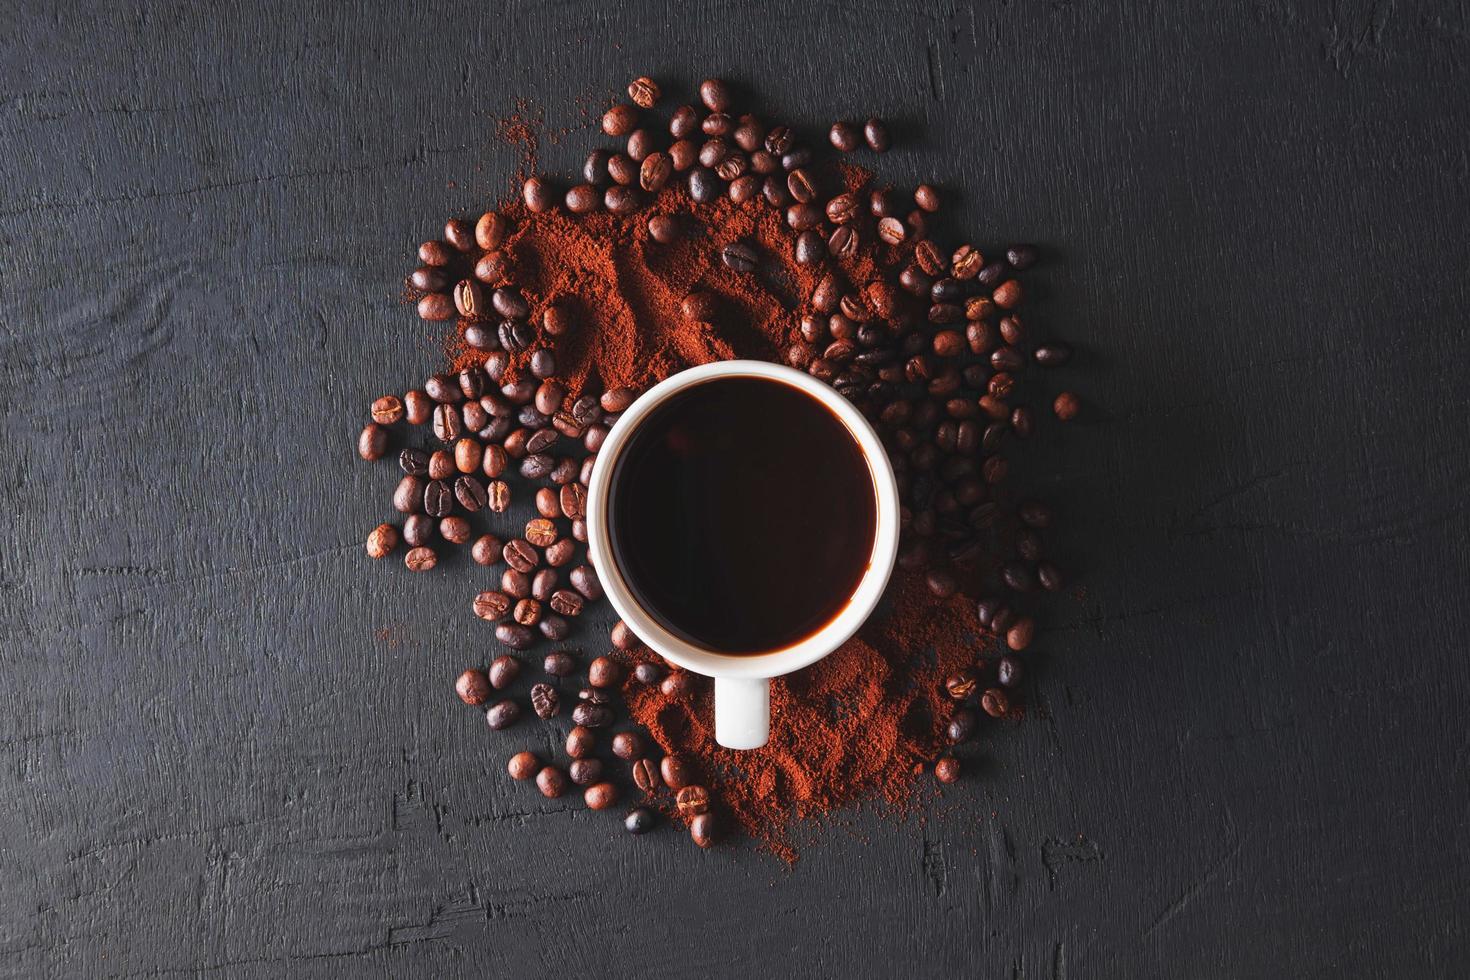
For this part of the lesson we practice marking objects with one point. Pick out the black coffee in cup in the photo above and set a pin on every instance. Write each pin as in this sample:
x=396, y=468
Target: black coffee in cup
x=742, y=514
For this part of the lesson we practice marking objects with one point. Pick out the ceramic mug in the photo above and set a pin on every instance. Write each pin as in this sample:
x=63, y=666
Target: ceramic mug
x=742, y=682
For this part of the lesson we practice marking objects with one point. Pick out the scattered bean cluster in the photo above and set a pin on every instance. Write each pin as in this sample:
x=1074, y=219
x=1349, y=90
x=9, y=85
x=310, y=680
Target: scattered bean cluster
x=932, y=348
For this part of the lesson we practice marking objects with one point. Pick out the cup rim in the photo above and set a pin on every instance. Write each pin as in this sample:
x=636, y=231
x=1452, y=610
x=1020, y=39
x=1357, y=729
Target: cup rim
x=806, y=651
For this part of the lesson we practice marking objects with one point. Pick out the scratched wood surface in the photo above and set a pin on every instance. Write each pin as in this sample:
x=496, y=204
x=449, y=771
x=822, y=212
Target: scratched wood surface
x=227, y=747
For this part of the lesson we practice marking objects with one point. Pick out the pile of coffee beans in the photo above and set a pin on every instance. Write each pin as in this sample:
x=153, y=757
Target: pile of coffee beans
x=930, y=345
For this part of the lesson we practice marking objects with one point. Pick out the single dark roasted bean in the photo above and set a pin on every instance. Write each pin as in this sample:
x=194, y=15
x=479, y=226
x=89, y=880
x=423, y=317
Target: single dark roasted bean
x=1049, y=576
x=417, y=407
x=941, y=582
x=677, y=771
x=372, y=441
x=600, y=796
x=554, y=627
x=565, y=602
x=541, y=532
x=408, y=498
x=485, y=550
x=623, y=637
x=538, y=194
x=810, y=249
x=438, y=499
x=428, y=279
x=844, y=136
x=663, y=228
x=1021, y=256
x=704, y=830
x=927, y=197
x=1008, y=672
x=492, y=606
x=420, y=559
x=541, y=440
x=875, y=132
x=492, y=268
x=514, y=635
x=604, y=672
x=580, y=742
x=527, y=612
x=435, y=254
x=740, y=257
x=1067, y=406
x=583, y=199
x=585, y=772
x=418, y=530
x=455, y=530
x=704, y=186
x=592, y=715
x=502, y=715
x=491, y=230
x=552, y=782
x=961, y=726
x=473, y=687
x=1054, y=354
x=519, y=554
x=559, y=664
x=584, y=580
x=648, y=673
x=619, y=199
x=543, y=584
x=523, y=766
x=627, y=745
x=692, y=800
x=715, y=94
x=645, y=775
x=545, y=701
x=699, y=306
x=382, y=540
x=947, y=769
x=562, y=552
x=962, y=684
x=387, y=410
x=1022, y=631
x=994, y=702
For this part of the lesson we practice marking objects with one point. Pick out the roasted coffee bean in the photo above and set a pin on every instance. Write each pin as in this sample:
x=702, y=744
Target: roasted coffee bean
x=459, y=234
x=627, y=745
x=678, y=772
x=715, y=94
x=448, y=423
x=537, y=465
x=799, y=184
x=519, y=554
x=774, y=192
x=842, y=209
x=408, y=498
x=592, y=715
x=844, y=136
x=372, y=441
x=648, y=673
x=417, y=407
x=387, y=410
x=1007, y=295
x=655, y=172
x=514, y=635
x=600, y=796
x=941, y=583
x=1023, y=423
x=1021, y=633
x=492, y=268
x=554, y=627
x=692, y=800
x=523, y=766
x=684, y=121
x=562, y=552
x=492, y=606
x=780, y=140
x=1049, y=576
x=745, y=188
x=545, y=701
x=947, y=769
x=1018, y=576
x=428, y=279
x=515, y=584
x=585, y=772
x=892, y=231
x=476, y=419
x=583, y=199
x=623, y=637
x=527, y=612
x=546, y=503
x=486, y=550
x=565, y=602
x=438, y=499
x=604, y=672
x=704, y=185
x=565, y=470
x=509, y=303
x=382, y=540
x=538, y=194
x=732, y=167
x=810, y=249
x=994, y=702
x=699, y=306
x=491, y=230
x=683, y=154
x=619, y=120
x=961, y=726
x=717, y=124
x=574, y=500
x=436, y=307
x=497, y=494
x=540, y=532
x=540, y=441
x=552, y=782
x=875, y=132
x=926, y=197
x=455, y=530
x=1008, y=672
x=473, y=687
x=559, y=664
x=740, y=257
x=663, y=228
x=580, y=742
x=1053, y=354
x=962, y=684
x=704, y=830
x=435, y=254
x=991, y=274
x=645, y=775
x=420, y=559
x=593, y=695
x=644, y=92
x=584, y=580
x=543, y=585
x=418, y=530
x=641, y=144
x=1067, y=406
x=502, y=715
x=620, y=199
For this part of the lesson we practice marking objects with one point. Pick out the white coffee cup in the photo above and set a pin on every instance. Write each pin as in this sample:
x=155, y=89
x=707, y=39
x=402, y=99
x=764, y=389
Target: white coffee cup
x=742, y=682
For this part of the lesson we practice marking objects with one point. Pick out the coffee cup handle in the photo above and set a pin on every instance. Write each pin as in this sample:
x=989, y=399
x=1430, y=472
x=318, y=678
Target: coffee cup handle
x=742, y=711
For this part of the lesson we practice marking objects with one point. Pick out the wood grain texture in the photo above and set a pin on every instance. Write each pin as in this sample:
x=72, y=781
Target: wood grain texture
x=227, y=743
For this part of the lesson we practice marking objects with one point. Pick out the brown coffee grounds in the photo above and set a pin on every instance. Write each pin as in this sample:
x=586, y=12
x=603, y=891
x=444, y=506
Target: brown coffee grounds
x=864, y=722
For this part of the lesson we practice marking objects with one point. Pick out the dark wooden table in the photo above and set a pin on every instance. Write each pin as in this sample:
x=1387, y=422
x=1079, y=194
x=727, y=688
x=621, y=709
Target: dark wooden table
x=226, y=744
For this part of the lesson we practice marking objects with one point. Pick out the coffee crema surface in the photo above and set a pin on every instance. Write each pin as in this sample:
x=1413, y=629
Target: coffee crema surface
x=742, y=515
